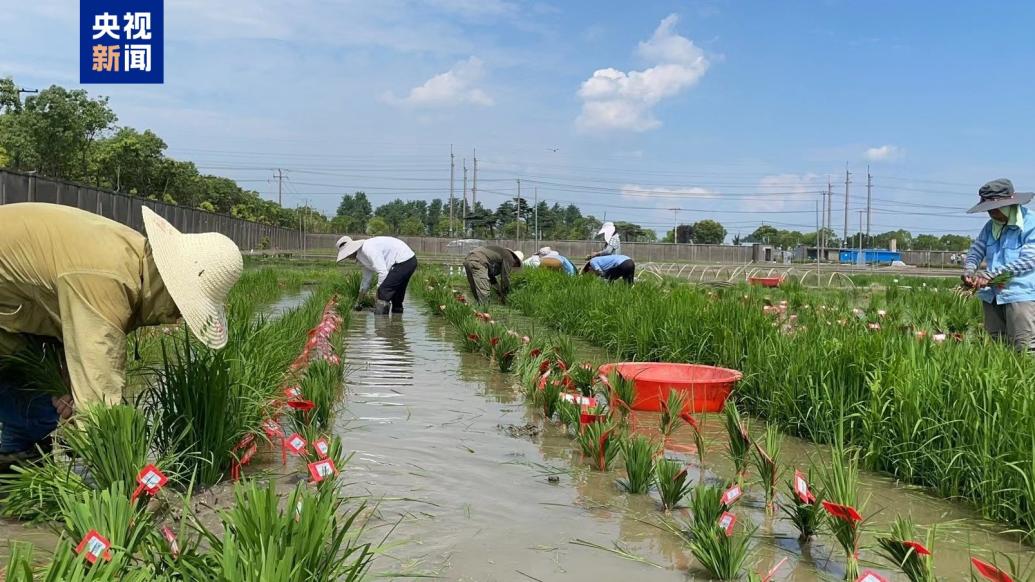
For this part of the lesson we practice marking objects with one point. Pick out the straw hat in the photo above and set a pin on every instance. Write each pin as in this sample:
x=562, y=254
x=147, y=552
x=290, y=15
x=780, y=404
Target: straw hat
x=198, y=270
x=348, y=247
x=520, y=256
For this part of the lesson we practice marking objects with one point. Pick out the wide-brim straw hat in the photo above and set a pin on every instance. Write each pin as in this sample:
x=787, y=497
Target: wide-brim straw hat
x=520, y=256
x=607, y=229
x=198, y=271
x=348, y=247
x=999, y=193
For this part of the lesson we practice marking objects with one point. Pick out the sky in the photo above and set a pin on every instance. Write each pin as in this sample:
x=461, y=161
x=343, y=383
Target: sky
x=653, y=112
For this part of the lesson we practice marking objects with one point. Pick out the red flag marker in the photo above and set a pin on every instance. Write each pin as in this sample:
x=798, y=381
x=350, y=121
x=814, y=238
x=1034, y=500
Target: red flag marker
x=94, y=546
x=272, y=428
x=170, y=537
x=301, y=404
x=919, y=548
x=842, y=512
x=295, y=443
x=726, y=521
x=293, y=392
x=801, y=488
x=870, y=576
x=323, y=448
x=772, y=571
x=150, y=480
x=731, y=495
x=990, y=572
x=322, y=469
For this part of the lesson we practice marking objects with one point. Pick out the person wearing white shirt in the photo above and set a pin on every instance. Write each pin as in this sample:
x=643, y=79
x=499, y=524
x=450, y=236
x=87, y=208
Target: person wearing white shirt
x=392, y=260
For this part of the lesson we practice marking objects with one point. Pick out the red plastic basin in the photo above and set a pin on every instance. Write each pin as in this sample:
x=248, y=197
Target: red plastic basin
x=706, y=388
x=766, y=281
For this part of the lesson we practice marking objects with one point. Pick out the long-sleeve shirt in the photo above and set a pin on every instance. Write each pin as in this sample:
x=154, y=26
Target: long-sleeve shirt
x=566, y=265
x=1013, y=253
x=378, y=255
x=499, y=262
x=84, y=280
x=613, y=246
x=607, y=262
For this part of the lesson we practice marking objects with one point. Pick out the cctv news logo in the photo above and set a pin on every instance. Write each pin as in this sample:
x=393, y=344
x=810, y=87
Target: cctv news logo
x=121, y=41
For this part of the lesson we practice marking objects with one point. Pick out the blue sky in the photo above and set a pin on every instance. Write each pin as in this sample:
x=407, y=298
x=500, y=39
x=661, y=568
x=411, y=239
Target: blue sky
x=736, y=111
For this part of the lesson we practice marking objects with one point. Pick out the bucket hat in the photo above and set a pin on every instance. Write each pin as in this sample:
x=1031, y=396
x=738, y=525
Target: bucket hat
x=520, y=256
x=607, y=229
x=999, y=193
x=348, y=247
x=198, y=270
x=544, y=251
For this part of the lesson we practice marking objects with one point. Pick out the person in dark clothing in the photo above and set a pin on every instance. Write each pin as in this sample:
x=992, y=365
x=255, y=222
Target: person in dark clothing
x=612, y=267
x=489, y=267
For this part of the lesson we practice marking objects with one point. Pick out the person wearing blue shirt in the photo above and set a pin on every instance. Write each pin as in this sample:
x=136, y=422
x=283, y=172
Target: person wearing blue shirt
x=612, y=267
x=1007, y=245
x=551, y=259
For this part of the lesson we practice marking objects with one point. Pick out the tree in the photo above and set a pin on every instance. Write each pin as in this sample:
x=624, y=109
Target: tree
x=378, y=226
x=927, y=242
x=956, y=242
x=684, y=234
x=129, y=161
x=433, y=216
x=708, y=232
x=353, y=212
x=412, y=226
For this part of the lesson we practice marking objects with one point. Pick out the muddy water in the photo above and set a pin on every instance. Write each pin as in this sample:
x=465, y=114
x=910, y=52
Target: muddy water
x=471, y=501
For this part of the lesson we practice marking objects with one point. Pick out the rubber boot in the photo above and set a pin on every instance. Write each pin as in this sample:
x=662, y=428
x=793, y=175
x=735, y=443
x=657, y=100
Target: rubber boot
x=382, y=307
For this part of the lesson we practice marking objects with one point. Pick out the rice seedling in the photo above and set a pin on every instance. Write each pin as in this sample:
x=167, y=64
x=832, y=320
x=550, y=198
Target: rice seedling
x=639, y=452
x=671, y=412
x=767, y=459
x=673, y=485
x=322, y=385
x=19, y=562
x=31, y=492
x=470, y=335
x=840, y=486
x=900, y=547
x=37, y=367
x=600, y=442
x=621, y=394
x=309, y=537
x=199, y=411
x=582, y=377
x=547, y=394
x=705, y=507
x=505, y=351
x=740, y=442
x=124, y=524
x=722, y=554
x=570, y=414
x=805, y=510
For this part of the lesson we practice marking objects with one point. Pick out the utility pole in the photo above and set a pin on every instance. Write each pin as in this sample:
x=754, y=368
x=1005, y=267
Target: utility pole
x=280, y=186
x=862, y=256
x=675, y=225
x=848, y=180
x=517, y=212
x=869, y=186
x=474, y=185
x=817, y=233
x=465, y=197
x=536, y=212
x=829, y=227
x=452, y=173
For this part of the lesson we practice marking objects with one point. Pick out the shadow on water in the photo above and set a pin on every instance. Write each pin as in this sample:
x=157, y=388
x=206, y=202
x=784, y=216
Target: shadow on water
x=428, y=423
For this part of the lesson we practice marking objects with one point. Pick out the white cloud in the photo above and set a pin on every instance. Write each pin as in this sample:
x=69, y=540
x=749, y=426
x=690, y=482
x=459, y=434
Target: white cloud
x=454, y=87
x=777, y=191
x=884, y=153
x=618, y=100
x=665, y=195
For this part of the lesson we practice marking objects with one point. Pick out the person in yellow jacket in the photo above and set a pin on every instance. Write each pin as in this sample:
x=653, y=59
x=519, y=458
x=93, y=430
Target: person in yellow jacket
x=81, y=282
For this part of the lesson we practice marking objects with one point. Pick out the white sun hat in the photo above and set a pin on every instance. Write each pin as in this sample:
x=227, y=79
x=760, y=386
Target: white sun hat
x=544, y=251
x=607, y=229
x=520, y=256
x=198, y=271
x=348, y=247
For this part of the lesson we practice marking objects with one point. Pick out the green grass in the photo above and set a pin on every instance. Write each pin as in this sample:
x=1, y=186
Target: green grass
x=639, y=453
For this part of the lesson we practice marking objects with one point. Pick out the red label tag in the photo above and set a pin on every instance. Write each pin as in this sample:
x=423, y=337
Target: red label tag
x=731, y=495
x=295, y=443
x=917, y=547
x=322, y=469
x=587, y=418
x=245, y=442
x=726, y=521
x=170, y=537
x=801, y=488
x=870, y=576
x=990, y=572
x=151, y=480
x=842, y=512
x=94, y=546
x=293, y=392
x=272, y=428
x=323, y=448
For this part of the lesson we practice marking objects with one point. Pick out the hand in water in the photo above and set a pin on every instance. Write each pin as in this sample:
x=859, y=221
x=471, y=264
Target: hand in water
x=65, y=406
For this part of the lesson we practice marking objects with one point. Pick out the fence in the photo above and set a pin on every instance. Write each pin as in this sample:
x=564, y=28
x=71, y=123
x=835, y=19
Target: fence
x=19, y=187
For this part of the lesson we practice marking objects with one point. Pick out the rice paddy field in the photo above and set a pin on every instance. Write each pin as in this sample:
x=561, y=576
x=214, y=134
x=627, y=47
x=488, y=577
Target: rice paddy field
x=876, y=432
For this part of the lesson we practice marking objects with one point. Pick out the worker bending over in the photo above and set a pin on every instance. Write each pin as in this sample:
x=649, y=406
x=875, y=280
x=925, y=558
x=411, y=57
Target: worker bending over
x=80, y=282
x=489, y=268
x=1007, y=245
x=612, y=242
x=612, y=267
x=551, y=259
x=391, y=259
